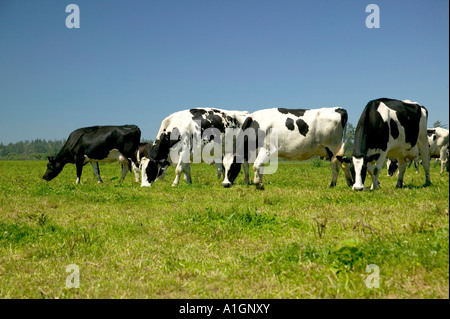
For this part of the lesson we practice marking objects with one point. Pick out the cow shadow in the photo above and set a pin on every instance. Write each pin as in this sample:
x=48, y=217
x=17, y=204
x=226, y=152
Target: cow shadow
x=410, y=186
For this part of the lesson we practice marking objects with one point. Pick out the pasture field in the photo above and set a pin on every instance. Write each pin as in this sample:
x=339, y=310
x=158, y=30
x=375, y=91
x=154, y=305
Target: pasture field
x=296, y=239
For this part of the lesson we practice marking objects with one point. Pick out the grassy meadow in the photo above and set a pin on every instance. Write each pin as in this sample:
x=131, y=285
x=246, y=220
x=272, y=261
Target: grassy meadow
x=296, y=239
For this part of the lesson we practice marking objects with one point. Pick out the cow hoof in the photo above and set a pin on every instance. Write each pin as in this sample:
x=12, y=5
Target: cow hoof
x=226, y=185
x=260, y=187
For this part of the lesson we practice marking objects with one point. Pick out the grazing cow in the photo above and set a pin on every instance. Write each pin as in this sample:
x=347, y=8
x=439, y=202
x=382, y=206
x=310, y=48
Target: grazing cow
x=187, y=132
x=95, y=144
x=143, y=155
x=389, y=128
x=301, y=133
x=392, y=166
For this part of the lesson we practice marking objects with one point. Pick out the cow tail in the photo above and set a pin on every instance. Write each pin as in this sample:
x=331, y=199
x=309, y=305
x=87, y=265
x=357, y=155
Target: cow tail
x=342, y=149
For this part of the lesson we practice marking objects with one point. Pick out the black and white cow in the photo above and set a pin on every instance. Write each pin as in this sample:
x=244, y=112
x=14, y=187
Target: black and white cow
x=186, y=133
x=391, y=166
x=389, y=128
x=301, y=134
x=96, y=144
x=439, y=145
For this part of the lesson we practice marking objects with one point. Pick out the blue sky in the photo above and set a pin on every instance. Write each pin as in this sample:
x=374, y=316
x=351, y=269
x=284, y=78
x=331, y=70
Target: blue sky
x=135, y=62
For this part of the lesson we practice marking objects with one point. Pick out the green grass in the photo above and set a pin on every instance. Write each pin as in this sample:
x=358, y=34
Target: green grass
x=296, y=239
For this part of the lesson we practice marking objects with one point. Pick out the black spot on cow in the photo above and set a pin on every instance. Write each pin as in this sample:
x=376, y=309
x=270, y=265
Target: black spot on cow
x=196, y=113
x=248, y=137
x=303, y=128
x=296, y=112
x=394, y=129
x=231, y=121
x=344, y=116
x=290, y=124
x=372, y=158
x=208, y=119
x=372, y=132
x=431, y=131
x=408, y=115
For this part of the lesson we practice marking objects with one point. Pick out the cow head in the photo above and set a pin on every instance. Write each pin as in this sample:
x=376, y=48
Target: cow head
x=348, y=168
x=155, y=165
x=53, y=168
x=152, y=170
x=357, y=168
x=232, y=169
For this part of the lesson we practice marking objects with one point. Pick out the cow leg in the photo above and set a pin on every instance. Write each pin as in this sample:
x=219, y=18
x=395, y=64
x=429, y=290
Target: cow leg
x=335, y=165
x=182, y=168
x=424, y=150
x=416, y=164
x=246, y=173
x=178, y=171
x=96, y=171
x=220, y=170
x=436, y=161
x=374, y=170
x=258, y=167
x=402, y=164
x=444, y=158
x=187, y=173
x=79, y=166
x=125, y=169
x=136, y=172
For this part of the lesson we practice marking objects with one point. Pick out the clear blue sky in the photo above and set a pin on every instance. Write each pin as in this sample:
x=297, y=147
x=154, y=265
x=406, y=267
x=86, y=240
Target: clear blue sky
x=135, y=62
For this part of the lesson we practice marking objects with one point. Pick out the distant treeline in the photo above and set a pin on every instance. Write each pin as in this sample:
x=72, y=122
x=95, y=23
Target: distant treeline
x=33, y=150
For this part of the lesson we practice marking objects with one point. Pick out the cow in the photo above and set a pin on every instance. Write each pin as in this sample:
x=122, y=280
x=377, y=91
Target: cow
x=438, y=148
x=106, y=144
x=143, y=154
x=183, y=132
x=301, y=133
x=439, y=145
x=392, y=166
x=389, y=128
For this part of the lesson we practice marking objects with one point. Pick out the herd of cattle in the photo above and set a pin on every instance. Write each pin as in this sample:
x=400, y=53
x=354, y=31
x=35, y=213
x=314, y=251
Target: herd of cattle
x=388, y=129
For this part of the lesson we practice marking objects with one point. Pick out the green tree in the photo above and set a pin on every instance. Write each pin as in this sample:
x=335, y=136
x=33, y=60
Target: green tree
x=349, y=139
x=439, y=124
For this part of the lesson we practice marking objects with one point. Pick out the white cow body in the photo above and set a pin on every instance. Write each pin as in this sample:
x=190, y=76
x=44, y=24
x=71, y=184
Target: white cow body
x=301, y=134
